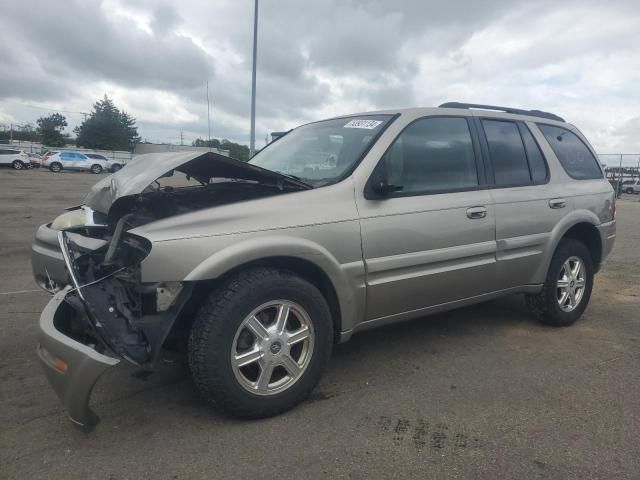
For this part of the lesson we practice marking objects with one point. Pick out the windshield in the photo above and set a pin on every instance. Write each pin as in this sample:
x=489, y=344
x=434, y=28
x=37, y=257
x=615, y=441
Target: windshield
x=320, y=153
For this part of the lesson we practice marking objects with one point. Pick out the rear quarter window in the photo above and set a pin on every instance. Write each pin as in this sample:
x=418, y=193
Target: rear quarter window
x=574, y=156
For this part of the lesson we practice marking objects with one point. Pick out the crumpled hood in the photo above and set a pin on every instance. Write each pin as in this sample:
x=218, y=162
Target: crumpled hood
x=143, y=170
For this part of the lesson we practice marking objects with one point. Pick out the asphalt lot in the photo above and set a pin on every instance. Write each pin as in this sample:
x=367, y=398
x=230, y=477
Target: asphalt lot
x=481, y=392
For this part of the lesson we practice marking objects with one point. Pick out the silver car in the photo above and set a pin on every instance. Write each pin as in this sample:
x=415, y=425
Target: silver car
x=339, y=226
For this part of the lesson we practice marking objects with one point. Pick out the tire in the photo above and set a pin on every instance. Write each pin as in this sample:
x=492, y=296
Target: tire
x=95, y=168
x=18, y=165
x=115, y=168
x=217, y=331
x=629, y=190
x=55, y=167
x=545, y=306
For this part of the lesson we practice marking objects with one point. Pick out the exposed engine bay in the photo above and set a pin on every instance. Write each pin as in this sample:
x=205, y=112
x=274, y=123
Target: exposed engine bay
x=121, y=313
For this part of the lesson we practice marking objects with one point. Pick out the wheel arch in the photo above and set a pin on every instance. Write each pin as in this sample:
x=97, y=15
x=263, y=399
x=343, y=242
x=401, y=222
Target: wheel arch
x=581, y=225
x=303, y=257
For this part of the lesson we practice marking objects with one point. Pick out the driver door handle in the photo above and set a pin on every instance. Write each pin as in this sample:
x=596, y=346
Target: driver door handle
x=476, y=212
x=557, y=203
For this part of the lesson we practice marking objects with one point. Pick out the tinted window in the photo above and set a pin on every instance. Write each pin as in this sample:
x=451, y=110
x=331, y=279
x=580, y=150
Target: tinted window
x=537, y=164
x=508, y=158
x=574, y=156
x=432, y=155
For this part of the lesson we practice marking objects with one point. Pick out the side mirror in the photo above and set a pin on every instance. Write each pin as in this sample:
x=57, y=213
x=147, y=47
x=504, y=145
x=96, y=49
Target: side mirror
x=382, y=188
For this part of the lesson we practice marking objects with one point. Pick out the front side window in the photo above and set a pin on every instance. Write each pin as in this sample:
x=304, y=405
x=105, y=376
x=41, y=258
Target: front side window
x=323, y=152
x=508, y=157
x=574, y=156
x=432, y=155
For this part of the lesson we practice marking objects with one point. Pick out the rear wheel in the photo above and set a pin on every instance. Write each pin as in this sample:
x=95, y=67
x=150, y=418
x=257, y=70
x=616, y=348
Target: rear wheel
x=567, y=288
x=115, y=168
x=18, y=165
x=260, y=343
x=96, y=168
x=55, y=167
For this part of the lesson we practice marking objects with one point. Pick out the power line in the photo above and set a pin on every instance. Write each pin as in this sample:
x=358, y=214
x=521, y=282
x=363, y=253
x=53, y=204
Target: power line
x=28, y=105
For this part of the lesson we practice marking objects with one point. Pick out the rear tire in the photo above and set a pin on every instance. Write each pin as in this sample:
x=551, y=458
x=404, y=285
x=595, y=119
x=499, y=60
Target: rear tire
x=96, y=169
x=548, y=306
x=18, y=165
x=221, y=326
x=115, y=168
x=55, y=167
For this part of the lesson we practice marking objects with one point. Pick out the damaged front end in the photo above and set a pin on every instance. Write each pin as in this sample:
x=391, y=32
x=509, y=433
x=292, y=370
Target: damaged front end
x=103, y=309
x=106, y=313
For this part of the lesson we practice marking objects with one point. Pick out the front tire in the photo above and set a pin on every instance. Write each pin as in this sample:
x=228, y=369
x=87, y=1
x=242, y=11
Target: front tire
x=260, y=343
x=567, y=288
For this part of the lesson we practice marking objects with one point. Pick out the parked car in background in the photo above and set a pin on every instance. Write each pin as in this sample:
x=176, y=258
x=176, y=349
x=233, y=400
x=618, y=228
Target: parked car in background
x=66, y=160
x=45, y=157
x=631, y=186
x=17, y=159
x=35, y=160
x=112, y=165
x=341, y=225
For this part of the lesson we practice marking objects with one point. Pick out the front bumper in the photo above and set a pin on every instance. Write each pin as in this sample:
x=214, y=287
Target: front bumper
x=71, y=367
x=47, y=261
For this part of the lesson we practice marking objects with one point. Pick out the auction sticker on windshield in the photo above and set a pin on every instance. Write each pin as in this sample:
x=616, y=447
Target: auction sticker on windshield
x=368, y=124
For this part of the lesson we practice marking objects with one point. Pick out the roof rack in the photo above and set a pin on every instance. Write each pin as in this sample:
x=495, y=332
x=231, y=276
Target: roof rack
x=531, y=113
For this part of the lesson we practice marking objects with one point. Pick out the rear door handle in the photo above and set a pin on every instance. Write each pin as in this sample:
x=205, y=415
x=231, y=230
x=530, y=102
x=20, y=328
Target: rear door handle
x=476, y=212
x=557, y=203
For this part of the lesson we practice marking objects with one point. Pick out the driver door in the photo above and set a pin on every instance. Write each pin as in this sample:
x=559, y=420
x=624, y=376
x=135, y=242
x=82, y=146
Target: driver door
x=433, y=241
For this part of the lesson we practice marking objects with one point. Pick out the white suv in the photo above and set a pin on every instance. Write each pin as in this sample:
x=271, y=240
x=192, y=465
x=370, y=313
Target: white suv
x=16, y=158
x=75, y=161
x=112, y=165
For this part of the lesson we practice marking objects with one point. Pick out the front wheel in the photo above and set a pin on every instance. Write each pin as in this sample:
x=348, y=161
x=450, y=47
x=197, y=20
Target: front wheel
x=18, y=165
x=260, y=343
x=567, y=288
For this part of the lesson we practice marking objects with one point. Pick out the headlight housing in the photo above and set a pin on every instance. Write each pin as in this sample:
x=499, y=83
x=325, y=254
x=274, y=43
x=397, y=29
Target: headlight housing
x=79, y=217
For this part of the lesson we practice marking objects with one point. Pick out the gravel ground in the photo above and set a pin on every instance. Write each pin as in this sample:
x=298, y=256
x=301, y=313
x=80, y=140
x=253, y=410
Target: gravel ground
x=481, y=392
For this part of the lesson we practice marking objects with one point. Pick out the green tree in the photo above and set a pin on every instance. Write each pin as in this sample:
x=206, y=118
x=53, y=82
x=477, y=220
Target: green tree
x=107, y=128
x=236, y=150
x=50, y=130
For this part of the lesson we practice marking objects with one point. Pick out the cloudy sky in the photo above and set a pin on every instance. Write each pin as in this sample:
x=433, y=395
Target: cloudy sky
x=321, y=58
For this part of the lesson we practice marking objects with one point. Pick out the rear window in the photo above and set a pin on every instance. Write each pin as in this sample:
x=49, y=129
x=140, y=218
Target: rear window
x=574, y=156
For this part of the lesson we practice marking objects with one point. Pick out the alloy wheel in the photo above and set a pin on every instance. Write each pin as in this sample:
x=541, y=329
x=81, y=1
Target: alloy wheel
x=571, y=284
x=272, y=347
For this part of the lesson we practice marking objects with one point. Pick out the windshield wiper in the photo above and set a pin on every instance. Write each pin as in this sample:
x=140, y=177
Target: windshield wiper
x=297, y=181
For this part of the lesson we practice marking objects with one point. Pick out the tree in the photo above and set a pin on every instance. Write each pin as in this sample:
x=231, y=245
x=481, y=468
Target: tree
x=107, y=128
x=236, y=150
x=50, y=130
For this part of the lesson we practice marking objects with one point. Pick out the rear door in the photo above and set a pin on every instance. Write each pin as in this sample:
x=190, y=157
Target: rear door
x=527, y=206
x=432, y=242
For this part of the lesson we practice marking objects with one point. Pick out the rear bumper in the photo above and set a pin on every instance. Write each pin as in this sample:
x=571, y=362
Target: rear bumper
x=71, y=367
x=49, y=269
x=607, y=238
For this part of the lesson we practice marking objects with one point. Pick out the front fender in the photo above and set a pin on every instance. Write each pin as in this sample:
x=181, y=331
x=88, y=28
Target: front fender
x=347, y=279
x=562, y=227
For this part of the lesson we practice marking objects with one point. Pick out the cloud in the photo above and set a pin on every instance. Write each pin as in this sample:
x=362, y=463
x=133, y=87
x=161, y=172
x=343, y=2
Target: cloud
x=328, y=57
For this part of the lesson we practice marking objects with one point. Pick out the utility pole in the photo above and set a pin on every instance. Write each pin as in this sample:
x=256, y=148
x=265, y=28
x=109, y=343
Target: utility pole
x=252, y=143
x=11, y=135
x=181, y=139
x=208, y=118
